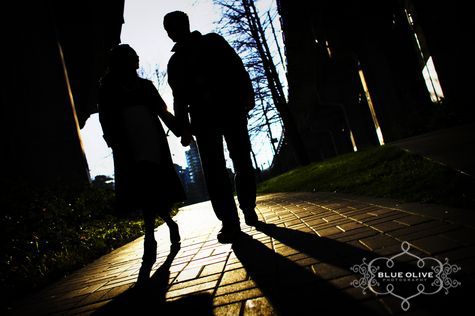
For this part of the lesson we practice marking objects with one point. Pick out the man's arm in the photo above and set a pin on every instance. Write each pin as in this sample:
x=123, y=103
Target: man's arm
x=160, y=108
x=236, y=67
x=180, y=101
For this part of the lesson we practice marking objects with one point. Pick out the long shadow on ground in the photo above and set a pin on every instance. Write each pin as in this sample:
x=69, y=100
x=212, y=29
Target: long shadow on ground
x=147, y=297
x=295, y=290
x=316, y=293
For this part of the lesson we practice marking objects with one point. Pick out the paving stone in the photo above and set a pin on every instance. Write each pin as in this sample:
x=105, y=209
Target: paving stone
x=379, y=241
x=191, y=289
x=212, y=268
x=177, y=267
x=188, y=274
x=390, y=251
x=116, y=291
x=386, y=227
x=413, y=220
x=434, y=244
x=350, y=226
x=229, y=309
x=297, y=256
x=180, y=285
x=362, y=217
x=286, y=250
x=332, y=224
x=307, y=230
x=115, y=283
x=385, y=218
x=315, y=222
x=328, y=231
x=327, y=271
x=258, y=306
x=203, y=265
x=422, y=230
x=458, y=254
x=293, y=222
x=236, y=297
x=233, y=266
x=206, y=261
x=345, y=281
x=464, y=236
x=358, y=294
x=298, y=226
x=382, y=211
x=392, y=303
x=305, y=262
x=87, y=308
x=93, y=297
x=356, y=235
x=332, y=218
x=376, y=306
x=235, y=287
x=234, y=276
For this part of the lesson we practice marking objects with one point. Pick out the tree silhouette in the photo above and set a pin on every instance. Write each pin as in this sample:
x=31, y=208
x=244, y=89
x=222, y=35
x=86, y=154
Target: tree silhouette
x=242, y=25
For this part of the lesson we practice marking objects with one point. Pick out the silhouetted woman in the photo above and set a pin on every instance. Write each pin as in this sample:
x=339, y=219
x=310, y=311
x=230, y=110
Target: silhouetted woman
x=145, y=177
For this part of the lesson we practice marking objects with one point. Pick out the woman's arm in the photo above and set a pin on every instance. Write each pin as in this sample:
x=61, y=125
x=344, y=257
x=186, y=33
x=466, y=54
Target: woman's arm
x=161, y=109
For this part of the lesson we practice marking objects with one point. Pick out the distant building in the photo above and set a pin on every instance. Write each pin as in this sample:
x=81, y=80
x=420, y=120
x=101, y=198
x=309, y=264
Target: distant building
x=196, y=189
x=184, y=177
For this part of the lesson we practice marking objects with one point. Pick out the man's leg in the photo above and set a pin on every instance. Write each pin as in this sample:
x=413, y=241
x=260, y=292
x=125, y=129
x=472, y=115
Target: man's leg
x=239, y=146
x=210, y=146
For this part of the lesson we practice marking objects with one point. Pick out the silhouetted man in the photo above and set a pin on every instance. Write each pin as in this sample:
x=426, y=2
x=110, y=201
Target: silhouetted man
x=210, y=83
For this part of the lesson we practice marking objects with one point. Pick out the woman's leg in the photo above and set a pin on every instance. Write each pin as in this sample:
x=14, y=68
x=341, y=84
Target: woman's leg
x=149, y=223
x=174, y=233
x=150, y=244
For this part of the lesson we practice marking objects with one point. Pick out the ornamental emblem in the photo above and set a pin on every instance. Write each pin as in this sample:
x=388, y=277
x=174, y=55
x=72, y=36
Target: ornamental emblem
x=405, y=281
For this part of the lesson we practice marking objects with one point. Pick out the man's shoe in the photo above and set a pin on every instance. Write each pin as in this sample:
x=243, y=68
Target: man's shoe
x=250, y=217
x=228, y=234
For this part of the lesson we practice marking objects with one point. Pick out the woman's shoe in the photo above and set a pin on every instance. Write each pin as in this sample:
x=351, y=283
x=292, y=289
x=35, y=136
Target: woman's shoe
x=174, y=233
x=149, y=251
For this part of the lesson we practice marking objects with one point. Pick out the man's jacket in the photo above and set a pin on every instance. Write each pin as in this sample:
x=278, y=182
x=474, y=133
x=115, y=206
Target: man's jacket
x=208, y=81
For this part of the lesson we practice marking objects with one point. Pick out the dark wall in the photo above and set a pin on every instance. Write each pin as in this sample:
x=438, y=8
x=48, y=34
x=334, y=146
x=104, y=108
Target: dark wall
x=448, y=27
x=38, y=123
x=328, y=42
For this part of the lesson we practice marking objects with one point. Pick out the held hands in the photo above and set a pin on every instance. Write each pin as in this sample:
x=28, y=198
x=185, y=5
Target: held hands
x=186, y=137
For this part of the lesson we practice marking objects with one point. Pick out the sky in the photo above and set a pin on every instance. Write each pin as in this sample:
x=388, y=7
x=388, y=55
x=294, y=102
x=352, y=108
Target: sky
x=143, y=30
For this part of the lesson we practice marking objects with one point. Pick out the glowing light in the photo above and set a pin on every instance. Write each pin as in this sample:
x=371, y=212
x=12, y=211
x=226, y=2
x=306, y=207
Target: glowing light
x=432, y=81
x=71, y=101
x=428, y=72
x=328, y=49
x=371, y=108
x=353, y=141
x=409, y=17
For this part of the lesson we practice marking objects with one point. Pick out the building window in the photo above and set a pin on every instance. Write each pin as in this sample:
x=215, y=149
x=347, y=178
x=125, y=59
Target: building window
x=427, y=64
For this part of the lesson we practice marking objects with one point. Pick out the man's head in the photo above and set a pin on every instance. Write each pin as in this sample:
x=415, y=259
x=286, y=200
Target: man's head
x=177, y=25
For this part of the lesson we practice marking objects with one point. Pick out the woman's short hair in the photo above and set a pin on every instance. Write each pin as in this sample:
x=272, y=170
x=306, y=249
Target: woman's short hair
x=119, y=55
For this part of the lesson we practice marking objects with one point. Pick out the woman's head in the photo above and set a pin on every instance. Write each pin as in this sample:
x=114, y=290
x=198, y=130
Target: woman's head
x=123, y=58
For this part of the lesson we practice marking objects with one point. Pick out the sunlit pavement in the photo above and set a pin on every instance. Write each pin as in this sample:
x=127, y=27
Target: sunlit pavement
x=297, y=262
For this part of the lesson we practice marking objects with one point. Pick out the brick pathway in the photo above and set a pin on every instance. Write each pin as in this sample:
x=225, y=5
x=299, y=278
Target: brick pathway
x=297, y=263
